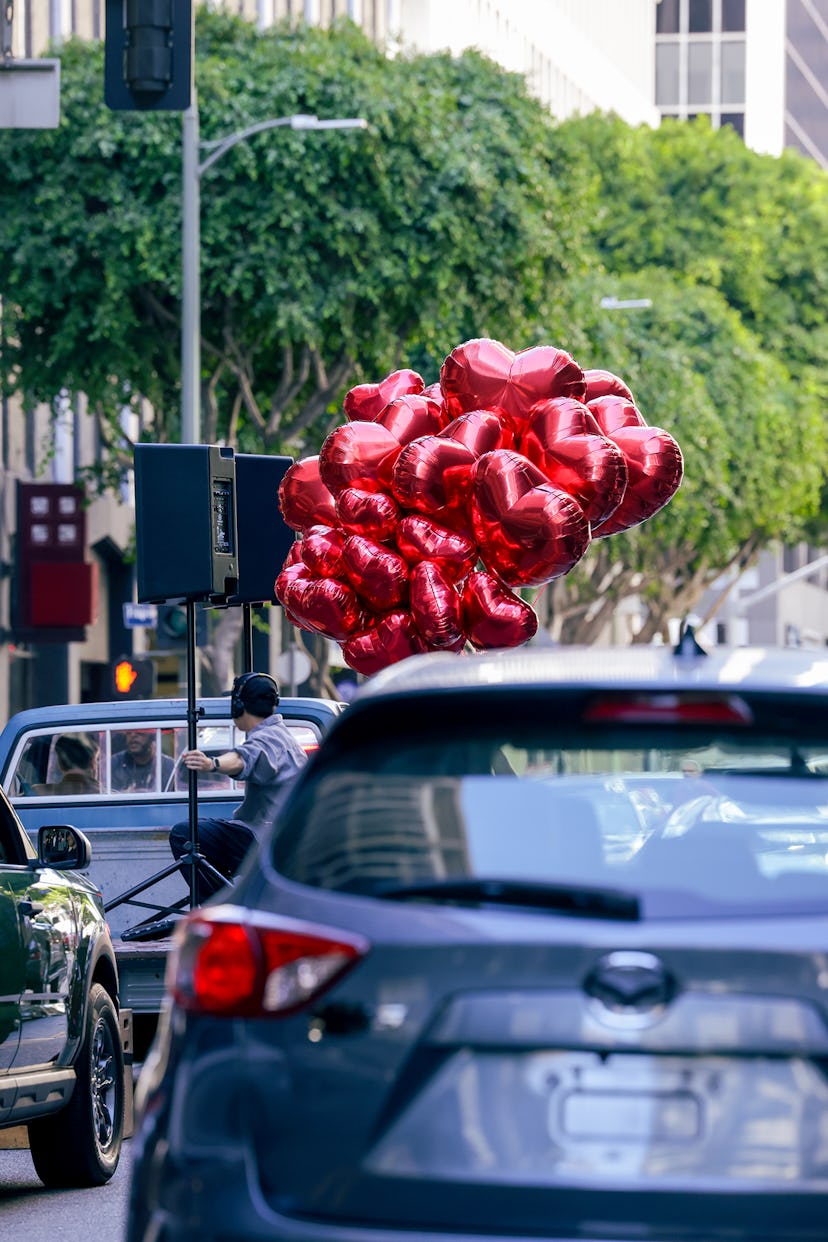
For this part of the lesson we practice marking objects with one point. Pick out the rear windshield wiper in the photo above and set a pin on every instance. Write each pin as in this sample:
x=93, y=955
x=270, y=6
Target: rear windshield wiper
x=602, y=903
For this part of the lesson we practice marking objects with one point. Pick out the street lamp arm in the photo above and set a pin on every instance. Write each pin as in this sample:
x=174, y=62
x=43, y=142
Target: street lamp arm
x=299, y=120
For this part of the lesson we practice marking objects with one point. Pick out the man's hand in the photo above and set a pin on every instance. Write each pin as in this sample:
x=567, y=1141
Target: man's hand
x=197, y=761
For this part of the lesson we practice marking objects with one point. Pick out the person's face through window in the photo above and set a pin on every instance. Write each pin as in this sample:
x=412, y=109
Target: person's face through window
x=140, y=744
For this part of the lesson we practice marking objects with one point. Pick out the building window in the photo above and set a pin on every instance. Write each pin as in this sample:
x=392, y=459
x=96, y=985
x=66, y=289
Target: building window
x=667, y=74
x=667, y=17
x=700, y=60
x=700, y=16
x=736, y=120
x=732, y=90
x=721, y=633
x=733, y=15
x=699, y=74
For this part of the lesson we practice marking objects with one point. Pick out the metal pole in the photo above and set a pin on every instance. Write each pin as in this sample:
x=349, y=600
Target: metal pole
x=247, y=638
x=192, y=744
x=191, y=278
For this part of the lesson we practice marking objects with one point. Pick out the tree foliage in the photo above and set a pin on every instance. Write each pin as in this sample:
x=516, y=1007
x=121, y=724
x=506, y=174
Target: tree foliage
x=326, y=257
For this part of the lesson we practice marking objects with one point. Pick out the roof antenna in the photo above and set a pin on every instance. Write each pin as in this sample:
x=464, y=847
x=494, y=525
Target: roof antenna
x=688, y=644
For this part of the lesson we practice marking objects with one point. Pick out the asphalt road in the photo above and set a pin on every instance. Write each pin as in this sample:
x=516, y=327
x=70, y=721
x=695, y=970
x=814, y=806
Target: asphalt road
x=30, y=1213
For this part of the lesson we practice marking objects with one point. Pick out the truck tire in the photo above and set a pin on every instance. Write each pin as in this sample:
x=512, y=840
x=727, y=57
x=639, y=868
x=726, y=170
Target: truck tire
x=81, y=1145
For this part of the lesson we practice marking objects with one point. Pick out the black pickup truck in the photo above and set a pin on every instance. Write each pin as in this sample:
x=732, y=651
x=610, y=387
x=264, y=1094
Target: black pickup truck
x=128, y=827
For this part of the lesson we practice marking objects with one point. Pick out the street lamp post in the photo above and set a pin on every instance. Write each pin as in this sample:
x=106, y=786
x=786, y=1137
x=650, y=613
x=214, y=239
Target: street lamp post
x=192, y=171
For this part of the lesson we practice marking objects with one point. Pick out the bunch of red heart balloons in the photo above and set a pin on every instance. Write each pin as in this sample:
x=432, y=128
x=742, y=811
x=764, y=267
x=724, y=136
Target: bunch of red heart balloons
x=421, y=515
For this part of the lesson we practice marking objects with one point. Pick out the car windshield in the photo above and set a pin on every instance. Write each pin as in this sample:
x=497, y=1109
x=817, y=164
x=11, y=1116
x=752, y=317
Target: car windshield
x=692, y=821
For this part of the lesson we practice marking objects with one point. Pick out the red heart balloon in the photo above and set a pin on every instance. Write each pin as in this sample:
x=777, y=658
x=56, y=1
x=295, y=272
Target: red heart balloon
x=605, y=384
x=304, y=500
x=377, y=574
x=432, y=474
x=322, y=552
x=564, y=441
x=294, y=553
x=409, y=417
x=528, y=531
x=655, y=468
x=394, y=637
x=360, y=455
x=435, y=607
x=474, y=376
x=294, y=574
x=367, y=401
x=492, y=616
x=481, y=431
x=484, y=375
x=612, y=412
x=421, y=539
x=374, y=514
x=326, y=606
x=539, y=373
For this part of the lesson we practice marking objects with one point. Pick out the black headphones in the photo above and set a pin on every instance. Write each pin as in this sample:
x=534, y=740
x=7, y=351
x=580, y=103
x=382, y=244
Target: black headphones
x=238, y=699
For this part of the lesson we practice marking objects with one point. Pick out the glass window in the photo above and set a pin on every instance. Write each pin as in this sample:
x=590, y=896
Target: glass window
x=667, y=17
x=708, y=817
x=733, y=15
x=699, y=73
x=733, y=72
x=65, y=764
x=736, y=120
x=701, y=16
x=667, y=74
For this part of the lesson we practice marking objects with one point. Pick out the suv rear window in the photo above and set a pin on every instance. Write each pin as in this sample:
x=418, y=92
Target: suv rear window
x=693, y=811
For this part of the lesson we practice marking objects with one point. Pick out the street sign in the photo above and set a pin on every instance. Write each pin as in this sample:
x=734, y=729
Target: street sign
x=293, y=666
x=29, y=94
x=140, y=616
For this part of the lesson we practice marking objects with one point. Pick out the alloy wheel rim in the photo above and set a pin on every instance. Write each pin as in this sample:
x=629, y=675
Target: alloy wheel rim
x=103, y=1084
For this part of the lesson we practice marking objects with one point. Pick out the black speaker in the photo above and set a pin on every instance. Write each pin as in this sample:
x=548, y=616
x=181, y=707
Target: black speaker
x=185, y=519
x=264, y=536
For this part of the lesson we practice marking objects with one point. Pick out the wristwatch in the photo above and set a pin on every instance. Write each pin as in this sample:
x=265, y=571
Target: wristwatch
x=216, y=767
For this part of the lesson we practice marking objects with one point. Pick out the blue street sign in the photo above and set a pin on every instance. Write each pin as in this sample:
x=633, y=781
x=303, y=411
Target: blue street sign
x=140, y=616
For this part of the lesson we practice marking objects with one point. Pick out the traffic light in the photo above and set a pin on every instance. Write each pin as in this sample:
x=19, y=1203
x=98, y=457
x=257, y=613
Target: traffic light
x=132, y=679
x=148, y=55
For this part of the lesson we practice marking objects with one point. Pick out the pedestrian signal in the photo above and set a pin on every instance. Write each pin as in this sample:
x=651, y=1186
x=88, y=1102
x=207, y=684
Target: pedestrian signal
x=132, y=679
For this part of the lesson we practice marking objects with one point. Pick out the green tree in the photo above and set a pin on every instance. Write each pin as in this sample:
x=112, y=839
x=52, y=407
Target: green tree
x=327, y=259
x=753, y=437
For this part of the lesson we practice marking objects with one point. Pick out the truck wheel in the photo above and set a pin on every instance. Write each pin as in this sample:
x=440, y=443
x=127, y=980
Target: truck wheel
x=81, y=1145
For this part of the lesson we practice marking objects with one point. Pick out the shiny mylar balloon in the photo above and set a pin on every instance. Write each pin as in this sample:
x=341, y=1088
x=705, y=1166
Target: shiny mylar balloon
x=304, y=500
x=492, y=616
x=360, y=455
x=528, y=531
x=421, y=539
x=378, y=575
x=604, y=384
x=611, y=412
x=367, y=401
x=564, y=441
x=484, y=375
x=481, y=431
x=432, y=474
x=654, y=467
x=291, y=574
x=326, y=606
x=374, y=514
x=412, y=416
x=435, y=607
x=654, y=463
x=322, y=552
x=394, y=637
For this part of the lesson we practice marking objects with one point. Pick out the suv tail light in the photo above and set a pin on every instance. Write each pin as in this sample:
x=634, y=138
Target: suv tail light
x=669, y=708
x=228, y=962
